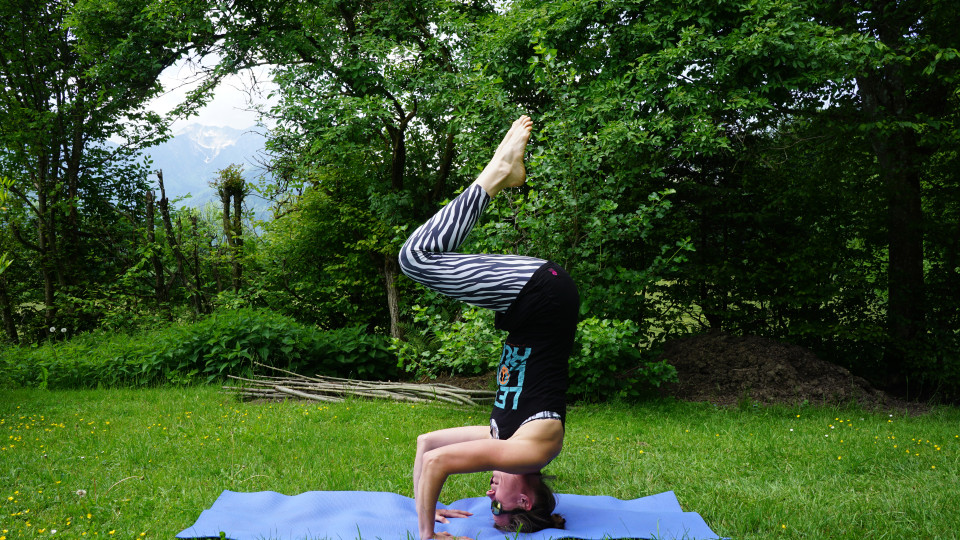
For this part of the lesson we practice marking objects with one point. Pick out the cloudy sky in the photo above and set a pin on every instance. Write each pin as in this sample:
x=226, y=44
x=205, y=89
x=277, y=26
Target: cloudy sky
x=231, y=104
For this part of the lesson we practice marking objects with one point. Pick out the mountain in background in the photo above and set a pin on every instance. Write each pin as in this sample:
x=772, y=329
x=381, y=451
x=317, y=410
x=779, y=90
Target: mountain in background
x=190, y=161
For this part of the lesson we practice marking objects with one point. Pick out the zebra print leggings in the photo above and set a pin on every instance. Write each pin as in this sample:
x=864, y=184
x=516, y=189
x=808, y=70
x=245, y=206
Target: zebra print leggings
x=429, y=257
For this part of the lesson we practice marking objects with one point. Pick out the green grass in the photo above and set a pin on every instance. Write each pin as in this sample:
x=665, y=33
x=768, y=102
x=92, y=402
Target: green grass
x=149, y=461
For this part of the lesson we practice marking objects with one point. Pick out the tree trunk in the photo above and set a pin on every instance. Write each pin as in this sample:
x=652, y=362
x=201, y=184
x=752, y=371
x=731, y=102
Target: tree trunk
x=201, y=300
x=46, y=254
x=897, y=153
x=6, y=311
x=905, y=309
x=164, y=206
x=231, y=239
x=389, y=271
x=158, y=287
x=237, y=239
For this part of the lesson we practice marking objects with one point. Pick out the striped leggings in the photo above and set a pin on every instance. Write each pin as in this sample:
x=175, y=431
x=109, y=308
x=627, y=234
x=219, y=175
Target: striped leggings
x=429, y=257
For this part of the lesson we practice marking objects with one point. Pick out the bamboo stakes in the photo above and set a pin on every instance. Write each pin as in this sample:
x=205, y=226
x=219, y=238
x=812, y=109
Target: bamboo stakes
x=334, y=389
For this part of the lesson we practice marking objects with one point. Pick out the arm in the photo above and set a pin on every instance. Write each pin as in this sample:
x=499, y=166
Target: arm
x=437, y=439
x=513, y=455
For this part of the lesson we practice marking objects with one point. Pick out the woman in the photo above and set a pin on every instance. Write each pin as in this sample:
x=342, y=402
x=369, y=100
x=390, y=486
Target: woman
x=537, y=303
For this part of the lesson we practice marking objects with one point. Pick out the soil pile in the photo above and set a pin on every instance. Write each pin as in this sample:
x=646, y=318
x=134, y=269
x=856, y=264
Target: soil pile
x=727, y=370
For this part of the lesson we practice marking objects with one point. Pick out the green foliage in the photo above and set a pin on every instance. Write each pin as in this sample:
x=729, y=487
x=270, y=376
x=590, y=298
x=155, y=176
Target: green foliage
x=315, y=262
x=73, y=195
x=805, y=149
x=607, y=361
x=227, y=342
x=468, y=345
x=5, y=184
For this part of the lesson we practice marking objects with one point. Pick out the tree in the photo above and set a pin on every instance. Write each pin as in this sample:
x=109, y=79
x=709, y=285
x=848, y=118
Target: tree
x=646, y=97
x=713, y=101
x=370, y=85
x=62, y=96
x=5, y=185
x=231, y=187
x=906, y=105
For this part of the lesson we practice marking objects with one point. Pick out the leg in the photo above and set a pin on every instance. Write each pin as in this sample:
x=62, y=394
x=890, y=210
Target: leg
x=491, y=281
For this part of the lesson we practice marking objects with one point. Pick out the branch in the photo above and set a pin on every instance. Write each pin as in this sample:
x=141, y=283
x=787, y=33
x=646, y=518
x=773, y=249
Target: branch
x=334, y=389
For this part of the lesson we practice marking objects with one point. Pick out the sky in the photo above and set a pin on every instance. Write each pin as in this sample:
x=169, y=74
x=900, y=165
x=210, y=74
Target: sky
x=231, y=104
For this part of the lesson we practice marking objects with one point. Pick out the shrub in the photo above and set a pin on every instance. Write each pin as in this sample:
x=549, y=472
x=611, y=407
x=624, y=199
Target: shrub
x=606, y=362
x=227, y=342
x=470, y=345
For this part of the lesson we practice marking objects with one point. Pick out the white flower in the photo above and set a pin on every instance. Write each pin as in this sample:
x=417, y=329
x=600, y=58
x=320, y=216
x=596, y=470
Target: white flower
x=54, y=329
x=81, y=493
x=63, y=330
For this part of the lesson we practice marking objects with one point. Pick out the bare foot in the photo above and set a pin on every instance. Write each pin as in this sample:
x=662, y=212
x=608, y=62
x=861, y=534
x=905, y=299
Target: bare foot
x=506, y=168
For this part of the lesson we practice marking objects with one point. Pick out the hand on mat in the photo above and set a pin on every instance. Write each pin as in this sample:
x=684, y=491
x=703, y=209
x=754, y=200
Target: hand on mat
x=448, y=536
x=443, y=513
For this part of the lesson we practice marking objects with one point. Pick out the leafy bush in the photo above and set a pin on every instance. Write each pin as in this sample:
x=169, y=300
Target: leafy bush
x=470, y=345
x=89, y=360
x=607, y=361
x=227, y=342
x=353, y=351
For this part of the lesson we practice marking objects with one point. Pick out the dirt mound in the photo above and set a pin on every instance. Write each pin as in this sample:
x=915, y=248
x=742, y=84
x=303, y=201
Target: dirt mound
x=726, y=370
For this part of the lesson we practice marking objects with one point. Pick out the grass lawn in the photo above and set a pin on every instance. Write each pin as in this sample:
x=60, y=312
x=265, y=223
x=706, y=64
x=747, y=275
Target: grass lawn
x=145, y=463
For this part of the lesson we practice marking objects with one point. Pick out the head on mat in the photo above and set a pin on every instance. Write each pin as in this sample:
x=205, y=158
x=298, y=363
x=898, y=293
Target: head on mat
x=522, y=502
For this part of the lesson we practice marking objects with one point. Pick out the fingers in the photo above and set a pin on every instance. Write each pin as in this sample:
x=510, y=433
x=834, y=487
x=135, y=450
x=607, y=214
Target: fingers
x=444, y=513
x=447, y=535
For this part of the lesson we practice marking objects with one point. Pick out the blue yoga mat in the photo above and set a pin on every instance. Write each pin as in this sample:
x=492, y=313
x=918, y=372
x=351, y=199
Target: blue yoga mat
x=352, y=515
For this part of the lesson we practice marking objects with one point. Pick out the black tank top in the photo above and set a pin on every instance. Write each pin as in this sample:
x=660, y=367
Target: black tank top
x=532, y=374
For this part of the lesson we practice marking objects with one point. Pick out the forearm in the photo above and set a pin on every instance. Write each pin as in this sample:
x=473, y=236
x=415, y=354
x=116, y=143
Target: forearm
x=417, y=466
x=430, y=482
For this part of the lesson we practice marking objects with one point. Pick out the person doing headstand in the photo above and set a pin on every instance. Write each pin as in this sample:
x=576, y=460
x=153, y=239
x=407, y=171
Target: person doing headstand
x=537, y=303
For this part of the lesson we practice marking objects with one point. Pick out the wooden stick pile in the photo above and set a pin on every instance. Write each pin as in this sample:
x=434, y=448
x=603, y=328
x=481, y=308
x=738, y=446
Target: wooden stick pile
x=333, y=389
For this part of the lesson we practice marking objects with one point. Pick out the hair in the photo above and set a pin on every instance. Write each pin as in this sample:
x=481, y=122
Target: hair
x=540, y=516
